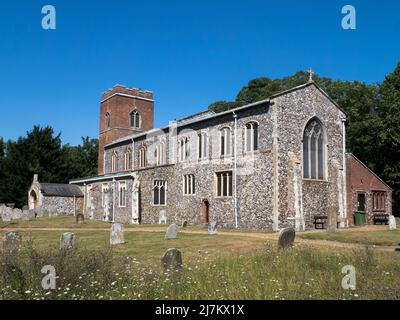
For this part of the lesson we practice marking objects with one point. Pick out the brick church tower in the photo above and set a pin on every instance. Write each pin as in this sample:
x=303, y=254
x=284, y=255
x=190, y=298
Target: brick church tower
x=123, y=112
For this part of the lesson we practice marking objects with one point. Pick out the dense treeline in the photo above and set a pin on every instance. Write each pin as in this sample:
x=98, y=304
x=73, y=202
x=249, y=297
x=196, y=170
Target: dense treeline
x=42, y=152
x=373, y=117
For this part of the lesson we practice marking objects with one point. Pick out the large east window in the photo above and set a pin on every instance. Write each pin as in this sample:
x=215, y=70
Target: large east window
x=224, y=184
x=313, y=151
x=159, y=192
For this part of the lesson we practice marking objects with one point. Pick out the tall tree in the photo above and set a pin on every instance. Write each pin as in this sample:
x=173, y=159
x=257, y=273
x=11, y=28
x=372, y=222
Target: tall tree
x=389, y=133
x=41, y=152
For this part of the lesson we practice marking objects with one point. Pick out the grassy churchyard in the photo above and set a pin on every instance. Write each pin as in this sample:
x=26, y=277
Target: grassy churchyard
x=231, y=265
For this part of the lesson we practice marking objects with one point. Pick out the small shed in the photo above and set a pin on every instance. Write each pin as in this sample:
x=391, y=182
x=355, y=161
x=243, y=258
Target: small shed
x=366, y=192
x=54, y=199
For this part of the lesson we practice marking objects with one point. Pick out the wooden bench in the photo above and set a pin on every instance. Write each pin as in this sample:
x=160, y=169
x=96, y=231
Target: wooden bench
x=320, y=222
x=381, y=218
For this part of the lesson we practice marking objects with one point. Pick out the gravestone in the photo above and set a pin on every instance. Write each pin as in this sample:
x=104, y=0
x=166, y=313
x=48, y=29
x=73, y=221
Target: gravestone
x=12, y=242
x=184, y=224
x=392, y=223
x=28, y=214
x=286, y=238
x=117, y=234
x=80, y=218
x=162, y=217
x=212, y=228
x=16, y=214
x=6, y=214
x=67, y=241
x=172, y=232
x=172, y=259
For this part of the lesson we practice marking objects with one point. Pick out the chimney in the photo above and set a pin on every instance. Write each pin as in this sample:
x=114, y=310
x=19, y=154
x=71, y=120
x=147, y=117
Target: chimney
x=35, y=178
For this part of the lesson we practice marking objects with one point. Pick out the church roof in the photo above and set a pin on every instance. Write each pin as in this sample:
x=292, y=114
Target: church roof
x=60, y=190
x=205, y=115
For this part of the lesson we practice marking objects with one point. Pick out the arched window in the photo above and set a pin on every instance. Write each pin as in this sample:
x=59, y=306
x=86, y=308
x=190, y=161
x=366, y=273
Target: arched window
x=142, y=157
x=128, y=160
x=159, y=193
x=107, y=119
x=184, y=149
x=135, y=119
x=251, y=136
x=159, y=154
x=313, y=151
x=202, y=145
x=225, y=147
x=114, y=162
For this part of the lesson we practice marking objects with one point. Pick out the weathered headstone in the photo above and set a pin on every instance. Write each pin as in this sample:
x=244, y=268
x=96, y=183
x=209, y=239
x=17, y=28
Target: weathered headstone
x=212, y=228
x=16, y=214
x=184, y=224
x=172, y=259
x=117, y=234
x=172, y=232
x=12, y=242
x=6, y=214
x=28, y=214
x=162, y=217
x=67, y=241
x=392, y=223
x=286, y=238
x=80, y=218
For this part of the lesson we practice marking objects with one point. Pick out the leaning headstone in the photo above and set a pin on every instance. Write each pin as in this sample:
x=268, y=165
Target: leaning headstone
x=67, y=241
x=212, y=228
x=117, y=234
x=392, y=223
x=172, y=232
x=80, y=218
x=12, y=242
x=184, y=224
x=162, y=219
x=172, y=259
x=286, y=238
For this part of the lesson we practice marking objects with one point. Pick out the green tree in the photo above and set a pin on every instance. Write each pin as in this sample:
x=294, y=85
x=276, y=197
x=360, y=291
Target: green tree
x=79, y=161
x=389, y=133
x=41, y=152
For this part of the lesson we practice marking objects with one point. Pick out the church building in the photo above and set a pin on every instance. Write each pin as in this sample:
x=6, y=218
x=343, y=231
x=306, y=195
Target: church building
x=271, y=164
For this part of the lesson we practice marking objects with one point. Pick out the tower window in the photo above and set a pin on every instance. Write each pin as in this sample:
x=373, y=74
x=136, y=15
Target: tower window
x=107, y=119
x=135, y=119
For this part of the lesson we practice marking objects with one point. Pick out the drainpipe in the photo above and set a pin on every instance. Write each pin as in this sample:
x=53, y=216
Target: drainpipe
x=84, y=198
x=113, y=207
x=235, y=169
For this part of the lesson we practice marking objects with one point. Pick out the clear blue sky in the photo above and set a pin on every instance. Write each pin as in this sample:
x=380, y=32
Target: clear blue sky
x=189, y=53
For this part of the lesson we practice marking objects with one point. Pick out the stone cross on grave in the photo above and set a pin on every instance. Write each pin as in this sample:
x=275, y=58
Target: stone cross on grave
x=310, y=75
